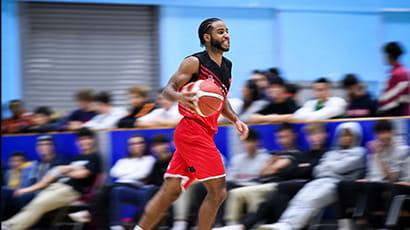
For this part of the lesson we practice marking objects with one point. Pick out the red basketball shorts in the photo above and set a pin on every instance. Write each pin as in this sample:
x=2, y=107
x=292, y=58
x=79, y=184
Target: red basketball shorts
x=196, y=156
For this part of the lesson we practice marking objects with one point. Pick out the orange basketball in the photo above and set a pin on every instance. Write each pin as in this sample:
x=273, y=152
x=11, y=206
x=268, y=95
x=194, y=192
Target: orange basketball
x=209, y=97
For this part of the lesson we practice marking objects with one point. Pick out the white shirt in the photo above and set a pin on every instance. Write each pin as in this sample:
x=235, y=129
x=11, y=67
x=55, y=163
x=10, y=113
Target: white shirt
x=333, y=107
x=162, y=114
x=245, y=167
x=106, y=120
x=131, y=170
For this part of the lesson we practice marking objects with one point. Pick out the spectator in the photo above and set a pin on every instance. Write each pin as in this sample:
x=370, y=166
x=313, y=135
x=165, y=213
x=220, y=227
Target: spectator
x=360, y=103
x=252, y=100
x=292, y=92
x=130, y=173
x=279, y=167
x=261, y=81
x=160, y=148
x=19, y=118
x=343, y=163
x=166, y=115
x=84, y=113
x=272, y=208
x=246, y=166
x=108, y=116
x=323, y=106
x=18, y=174
x=386, y=164
x=395, y=98
x=79, y=174
x=139, y=106
x=48, y=160
x=280, y=109
x=274, y=71
x=42, y=122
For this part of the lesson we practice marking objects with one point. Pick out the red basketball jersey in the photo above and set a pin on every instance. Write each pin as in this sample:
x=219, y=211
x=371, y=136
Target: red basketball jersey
x=220, y=75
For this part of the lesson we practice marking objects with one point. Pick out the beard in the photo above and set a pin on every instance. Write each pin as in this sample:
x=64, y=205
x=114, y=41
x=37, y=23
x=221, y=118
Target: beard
x=218, y=45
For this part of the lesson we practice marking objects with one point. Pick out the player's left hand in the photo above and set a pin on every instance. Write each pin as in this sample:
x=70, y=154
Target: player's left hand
x=242, y=129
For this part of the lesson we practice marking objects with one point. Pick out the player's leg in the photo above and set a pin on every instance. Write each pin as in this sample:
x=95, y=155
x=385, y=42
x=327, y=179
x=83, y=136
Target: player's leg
x=162, y=200
x=216, y=189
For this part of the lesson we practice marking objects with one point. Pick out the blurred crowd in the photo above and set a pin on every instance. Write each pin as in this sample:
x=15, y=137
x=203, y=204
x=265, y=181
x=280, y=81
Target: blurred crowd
x=284, y=188
x=266, y=98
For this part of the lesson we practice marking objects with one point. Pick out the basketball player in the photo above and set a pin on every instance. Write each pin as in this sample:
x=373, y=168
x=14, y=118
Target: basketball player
x=196, y=156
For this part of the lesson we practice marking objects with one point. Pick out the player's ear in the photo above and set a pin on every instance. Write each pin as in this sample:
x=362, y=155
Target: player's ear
x=207, y=37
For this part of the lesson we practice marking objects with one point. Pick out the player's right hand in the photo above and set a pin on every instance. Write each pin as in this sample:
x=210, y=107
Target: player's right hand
x=188, y=101
x=187, y=98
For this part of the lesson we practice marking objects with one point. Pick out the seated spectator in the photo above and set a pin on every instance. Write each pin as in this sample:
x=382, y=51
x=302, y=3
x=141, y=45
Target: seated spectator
x=261, y=80
x=139, y=106
x=36, y=171
x=323, y=106
x=279, y=167
x=292, y=92
x=42, y=122
x=395, y=98
x=48, y=158
x=18, y=174
x=386, y=164
x=343, y=163
x=246, y=166
x=108, y=116
x=19, y=118
x=280, y=109
x=160, y=148
x=130, y=173
x=272, y=208
x=84, y=112
x=166, y=115
x=252, y=100
x=360, y=103
x=180, y=208
x=77, y=176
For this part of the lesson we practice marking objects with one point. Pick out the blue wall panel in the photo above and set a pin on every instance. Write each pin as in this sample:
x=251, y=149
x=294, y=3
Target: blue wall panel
x=315, y=44
x=10, y=54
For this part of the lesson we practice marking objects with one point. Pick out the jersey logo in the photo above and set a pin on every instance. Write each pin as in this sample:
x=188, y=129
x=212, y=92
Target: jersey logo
x=191, y=169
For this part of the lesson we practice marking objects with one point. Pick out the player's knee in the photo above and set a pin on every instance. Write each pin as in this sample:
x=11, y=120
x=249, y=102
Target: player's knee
x=218, y=196
x=172, y=193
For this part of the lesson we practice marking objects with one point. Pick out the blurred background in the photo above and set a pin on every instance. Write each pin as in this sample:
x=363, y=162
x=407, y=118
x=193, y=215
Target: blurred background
x=50, y=49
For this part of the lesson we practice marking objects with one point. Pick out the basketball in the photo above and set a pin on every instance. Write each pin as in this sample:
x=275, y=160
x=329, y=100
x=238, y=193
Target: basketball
x=209, y=97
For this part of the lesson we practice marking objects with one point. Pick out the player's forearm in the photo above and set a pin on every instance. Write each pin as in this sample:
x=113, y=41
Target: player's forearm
x=171, y=92
x=228, y=112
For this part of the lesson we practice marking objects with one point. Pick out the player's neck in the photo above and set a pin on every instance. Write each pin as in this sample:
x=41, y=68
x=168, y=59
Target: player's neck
x=215, y=54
